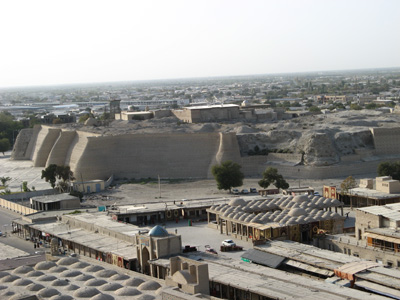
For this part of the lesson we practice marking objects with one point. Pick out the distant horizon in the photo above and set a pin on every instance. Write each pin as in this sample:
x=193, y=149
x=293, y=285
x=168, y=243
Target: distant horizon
x=199, y=78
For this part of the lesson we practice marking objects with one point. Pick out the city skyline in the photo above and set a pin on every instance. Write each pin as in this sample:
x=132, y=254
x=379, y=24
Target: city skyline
x=52, y=43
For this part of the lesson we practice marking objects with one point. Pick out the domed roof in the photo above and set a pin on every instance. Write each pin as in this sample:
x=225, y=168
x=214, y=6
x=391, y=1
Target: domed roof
x=119, y=277
x=60, y=282
x=34, y=274
x=34, y=287
x=127, y=291
x=47, y=278
x=300, y=199
x=84, y=277
x=102, y=297
x=145, y=297
x=237, y=202
x=150, y=285
x=93, y=268
x=45, y=265
x=86, y=292
x=9, y=278
x=295, y=212
x=3, y=274
x=133, y=282
x=61, y=297
x=23, y=270
x=112, y=286
x=106, y=273
x=95, y=282
x=71, y=273
x=48, y=292
x=66, y=261
x=57, y=269
x=80, y=265
x=22, y=282
x=158, y=231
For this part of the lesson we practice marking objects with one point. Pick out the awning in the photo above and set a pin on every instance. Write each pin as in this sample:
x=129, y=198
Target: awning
x=263, y=258
x=309, y=268
x=378, y=288
x=382, y=237
x=348, y=270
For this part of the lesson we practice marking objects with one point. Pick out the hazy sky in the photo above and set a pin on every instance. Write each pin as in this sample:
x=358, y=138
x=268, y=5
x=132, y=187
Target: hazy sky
x=57, y=41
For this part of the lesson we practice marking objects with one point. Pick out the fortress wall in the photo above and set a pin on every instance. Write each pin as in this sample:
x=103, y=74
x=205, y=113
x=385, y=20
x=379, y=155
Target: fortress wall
x=60, y=149
x=386, y=140
x=76, y=150
x=292, y=157
x=21, y=145
x=254, y=165
x=142, y=155
x=228, y=149
x=183, y=115
x=44, y=143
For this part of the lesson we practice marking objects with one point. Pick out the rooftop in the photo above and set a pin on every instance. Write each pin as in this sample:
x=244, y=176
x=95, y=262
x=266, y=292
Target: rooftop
x=373, y=194
x=54, y=198
x=389, y=211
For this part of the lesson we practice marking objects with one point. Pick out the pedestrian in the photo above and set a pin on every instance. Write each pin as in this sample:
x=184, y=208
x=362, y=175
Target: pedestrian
x=176, y=231
x=34, y=246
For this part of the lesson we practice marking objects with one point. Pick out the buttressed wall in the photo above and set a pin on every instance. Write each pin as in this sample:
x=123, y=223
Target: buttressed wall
x=91, y=156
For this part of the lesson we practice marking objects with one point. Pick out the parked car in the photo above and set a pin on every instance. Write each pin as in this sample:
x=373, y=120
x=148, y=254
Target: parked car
x=235, y=191
x=253, y=190
x=229, y=243
x=210, y=250
x=244, y=191
x=316, y=194
x=1, y=233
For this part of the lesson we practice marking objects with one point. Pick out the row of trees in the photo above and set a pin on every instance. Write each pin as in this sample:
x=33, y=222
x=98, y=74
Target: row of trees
x=228, y=175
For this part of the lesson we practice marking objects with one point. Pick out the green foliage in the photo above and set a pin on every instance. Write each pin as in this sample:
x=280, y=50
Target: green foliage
x=4, y=145
x=4, y=180
x=348, y=184
x=271, y=176
x=227, y=175
x=314, y=109
x=354, y=106
x=83, y=118
x=389, y=169
x=62, y=173
x=25, y=186
x=77, y=194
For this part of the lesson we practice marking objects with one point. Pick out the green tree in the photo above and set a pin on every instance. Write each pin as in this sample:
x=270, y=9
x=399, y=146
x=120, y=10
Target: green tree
x=4, y=180
x=4, y=145
x=227, y=175
x=314, y=109
x=25, y=186
x=355, y=106
x=271, y=176
x=49, y=174
x=348, y=184
x=62, y=173
x=389, y=169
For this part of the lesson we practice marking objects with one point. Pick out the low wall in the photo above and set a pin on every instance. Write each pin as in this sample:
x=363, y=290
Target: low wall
x=18, y=208
x=27, y=195
x=292, y=157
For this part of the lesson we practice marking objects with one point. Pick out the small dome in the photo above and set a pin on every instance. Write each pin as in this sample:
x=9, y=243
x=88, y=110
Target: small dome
x=237, y=202
x=86, y=292
x=127, y=291
x=106, y=273
x=158, y=231
x=133, y=282
x=3, y=274
x=61, y=297
x=60, y=282
x=112, y=286
x=45, y=265
x=295, y=212
x=34, y=274
x=23, y=270
x=34, y=287
x=95, y=282
x=47, y=278
x=93, y=268
x=102, y=297
x=22, y=282
x=80, y=265
x=150, y=285
x=9, y=278
x=84, y=277
x=48, y=292
x=145, y=297
x=66, y=261
x=71, y=273
x=57, y=269
x=72, y=287
x=119, y=277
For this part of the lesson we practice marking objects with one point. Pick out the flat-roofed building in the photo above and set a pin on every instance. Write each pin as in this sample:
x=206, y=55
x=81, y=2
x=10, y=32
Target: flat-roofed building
x=55, y=202
x=209, y=113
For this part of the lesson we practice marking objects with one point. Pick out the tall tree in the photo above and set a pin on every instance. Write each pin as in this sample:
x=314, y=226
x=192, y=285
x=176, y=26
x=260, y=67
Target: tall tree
x=62, y=173
x=4, y=145
x=271, y=176
x=4, y=180
x=227, y=175
x=389, y=169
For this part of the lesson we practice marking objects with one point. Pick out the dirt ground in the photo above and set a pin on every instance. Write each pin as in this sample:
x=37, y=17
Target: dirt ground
x=190, y=190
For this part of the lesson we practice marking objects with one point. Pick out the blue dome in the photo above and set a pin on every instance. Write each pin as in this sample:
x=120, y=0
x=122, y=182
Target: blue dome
x=158, y=231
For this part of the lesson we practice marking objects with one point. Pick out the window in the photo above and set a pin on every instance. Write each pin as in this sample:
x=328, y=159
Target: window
x=389, y=263
x=349, y=251
x=356, y=254
x=344, y=250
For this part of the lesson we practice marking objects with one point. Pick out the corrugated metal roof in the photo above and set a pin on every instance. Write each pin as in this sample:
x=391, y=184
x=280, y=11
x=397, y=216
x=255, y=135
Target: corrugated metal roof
x=263, y=258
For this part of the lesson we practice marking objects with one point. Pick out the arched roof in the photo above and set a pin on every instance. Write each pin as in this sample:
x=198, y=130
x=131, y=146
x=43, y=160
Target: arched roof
x=158, y=231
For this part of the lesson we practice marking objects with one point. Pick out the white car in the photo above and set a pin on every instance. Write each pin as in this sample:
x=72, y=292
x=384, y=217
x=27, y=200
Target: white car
x=229, y=243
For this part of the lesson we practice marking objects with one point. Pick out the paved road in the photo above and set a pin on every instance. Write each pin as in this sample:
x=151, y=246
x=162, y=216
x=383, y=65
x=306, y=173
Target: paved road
x=6, y=218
